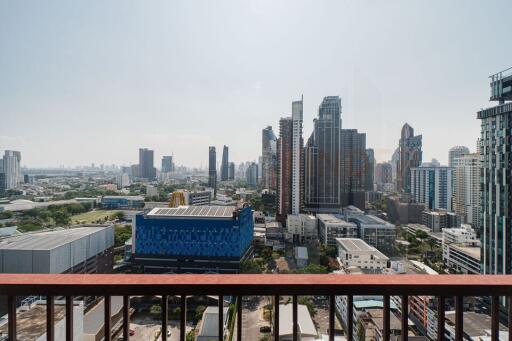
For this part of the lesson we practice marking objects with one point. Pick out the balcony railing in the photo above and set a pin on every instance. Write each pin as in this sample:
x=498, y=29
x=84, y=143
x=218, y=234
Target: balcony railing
x=332, y=285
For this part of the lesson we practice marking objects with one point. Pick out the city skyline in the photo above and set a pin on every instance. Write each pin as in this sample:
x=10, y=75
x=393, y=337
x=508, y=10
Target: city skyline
x=91, y=79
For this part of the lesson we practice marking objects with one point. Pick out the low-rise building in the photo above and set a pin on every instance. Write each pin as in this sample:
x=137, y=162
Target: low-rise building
x=122, y=202
x=209, y=328
x=306, y=328
x=193, y=239
x=437, y=220
x=354, y=252
x=476, y=327
x=376, y=232
x=331, y=227
x=462, y=259
x=465, y=235
x=301, y=227
x=301, y=256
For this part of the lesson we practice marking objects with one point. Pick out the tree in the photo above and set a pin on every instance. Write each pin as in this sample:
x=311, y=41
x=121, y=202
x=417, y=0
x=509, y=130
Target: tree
x=191, y=335
x=199, y=312
x=156, y=311
x=6, y=215
x=312, y=269
x=306, y=300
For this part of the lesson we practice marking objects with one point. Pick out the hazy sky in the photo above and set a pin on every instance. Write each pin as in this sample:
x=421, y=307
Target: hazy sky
x=92, y=81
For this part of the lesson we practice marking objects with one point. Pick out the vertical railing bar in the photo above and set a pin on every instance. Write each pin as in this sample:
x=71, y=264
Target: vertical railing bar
x=350, y=317
x=50, y=318
x=276, y=318
x=239, y=318
x=332, y=308
x=405, y=317
x=294, y=320
x=386, y=318
x=165, y=316
x=510, y=318
x=495, y=318
x=69, y=318
x=221, y=317
x=126, y=318
x=440, y=318
x=459, y=317
x=183, y=317
x=107, y=318
x=11, y=328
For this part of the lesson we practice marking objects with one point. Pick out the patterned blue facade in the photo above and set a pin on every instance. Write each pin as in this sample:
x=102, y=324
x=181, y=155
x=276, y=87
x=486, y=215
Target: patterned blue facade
x=194, y=237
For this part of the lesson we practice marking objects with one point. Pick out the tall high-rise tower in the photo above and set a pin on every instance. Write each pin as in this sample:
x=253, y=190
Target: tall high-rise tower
x=268, y=159
x=353, y=168
x=224, y=167
x=496, y=177
x=146, y=164
x=322, y=159
x=290, y=156
x=466, y=188
x=212, y=169
x=10, y=167
x=297, y=156
x=410, y=157
x=370, y=170
x=456, y=152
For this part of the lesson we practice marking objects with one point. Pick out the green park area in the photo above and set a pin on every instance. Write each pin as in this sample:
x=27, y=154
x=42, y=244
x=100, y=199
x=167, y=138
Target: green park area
x=97, y=216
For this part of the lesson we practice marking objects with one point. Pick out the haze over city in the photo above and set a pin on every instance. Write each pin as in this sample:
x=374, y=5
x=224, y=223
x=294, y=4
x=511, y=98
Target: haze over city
x=93, y=82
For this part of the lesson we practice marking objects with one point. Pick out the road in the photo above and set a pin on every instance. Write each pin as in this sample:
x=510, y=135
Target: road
x=252, y=318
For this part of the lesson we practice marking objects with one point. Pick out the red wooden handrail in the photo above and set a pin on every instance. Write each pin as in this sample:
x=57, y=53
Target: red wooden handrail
x=330, y=284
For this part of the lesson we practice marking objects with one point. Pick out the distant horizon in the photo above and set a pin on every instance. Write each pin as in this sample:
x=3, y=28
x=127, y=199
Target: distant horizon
x=92, y=82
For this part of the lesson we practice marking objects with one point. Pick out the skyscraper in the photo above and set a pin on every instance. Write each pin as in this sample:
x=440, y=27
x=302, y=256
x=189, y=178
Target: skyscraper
x=455, y=152
x=496, y=177
x=251, y=174
x=466, y=188
x=384, y=176
x=297, y=157
x=10, y=167
x=395, y=160
x=284, y=170
x=410, y=157
x=167, y=164
x=353, y=168
x=224, y=167
x=146, y=164
x=212, y=169
x=370, y=169
x=231, y=171
x=268, y=158
x=432, y=186
x=322, y=159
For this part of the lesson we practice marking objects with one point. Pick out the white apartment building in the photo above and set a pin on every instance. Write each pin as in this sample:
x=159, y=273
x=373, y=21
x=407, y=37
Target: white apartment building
x=297, y=152
x=461, y=250
x=302, y=227
x=10, y=166
x=466, y=188
x=463, y=235
x=331, y=227
x=354, y=252
x=432, y=186
x=123, y=180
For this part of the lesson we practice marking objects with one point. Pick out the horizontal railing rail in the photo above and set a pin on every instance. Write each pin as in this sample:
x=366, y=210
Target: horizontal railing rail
x=331, y=285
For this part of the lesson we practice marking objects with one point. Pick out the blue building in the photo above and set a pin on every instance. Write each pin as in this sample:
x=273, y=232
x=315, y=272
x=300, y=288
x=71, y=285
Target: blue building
x=193, y=239
x=122, y=202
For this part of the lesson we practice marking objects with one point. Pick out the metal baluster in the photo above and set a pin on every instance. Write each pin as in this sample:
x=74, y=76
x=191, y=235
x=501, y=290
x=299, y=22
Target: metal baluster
x=11, y=306
x=350, y=318
x=221, y=317
x=239, y=318
x=126, y=318
x=294, y=320
x=440, y=318
x=183, y=318
x=386, y=318
x=107, y=311
x=276, y=318
x=332, y=307
x=69, y=318
x=510, y=318
x=459, y=317
x=495, y=322
x=165, y=316
x=405, y=317
x=50, y=318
